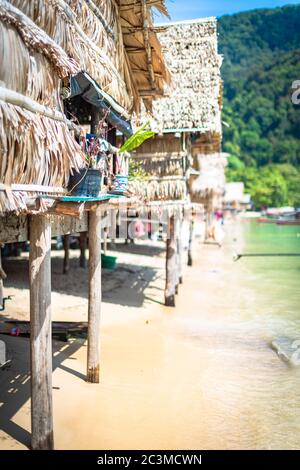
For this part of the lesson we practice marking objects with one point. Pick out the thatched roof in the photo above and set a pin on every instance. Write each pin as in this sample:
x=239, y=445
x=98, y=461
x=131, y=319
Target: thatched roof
x=111, y=40
x=235, y=192
x=36, y=146
x=192, y=106
x=169, y=188
x=143, y=49
x=43, y=43
x=209, y=178
x=193, y=100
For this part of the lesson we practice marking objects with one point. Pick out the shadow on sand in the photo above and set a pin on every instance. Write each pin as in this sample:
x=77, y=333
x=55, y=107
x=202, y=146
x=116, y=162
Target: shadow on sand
x=128, y=280
x=15, y=381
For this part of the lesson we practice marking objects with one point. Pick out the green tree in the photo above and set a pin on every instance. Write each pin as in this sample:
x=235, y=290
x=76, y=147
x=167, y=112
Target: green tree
x=261, y=49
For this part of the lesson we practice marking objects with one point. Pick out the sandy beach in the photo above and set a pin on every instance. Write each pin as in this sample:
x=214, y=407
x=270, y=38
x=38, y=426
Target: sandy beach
x=185, y=378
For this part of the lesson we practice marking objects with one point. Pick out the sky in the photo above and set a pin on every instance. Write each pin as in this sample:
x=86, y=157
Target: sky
x=191, y=9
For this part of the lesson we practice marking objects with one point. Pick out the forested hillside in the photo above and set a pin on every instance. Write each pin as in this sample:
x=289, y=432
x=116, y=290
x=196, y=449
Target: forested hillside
x=261, y=52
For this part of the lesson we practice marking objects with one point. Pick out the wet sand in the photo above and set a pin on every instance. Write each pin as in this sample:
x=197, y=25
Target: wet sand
x=199, y=376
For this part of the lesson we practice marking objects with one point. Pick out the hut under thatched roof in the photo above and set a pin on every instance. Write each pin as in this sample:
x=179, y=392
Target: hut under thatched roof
x=208, y=176
x=112, y=41
x=192, y=101
x=81, y=45
x=35, y=143
x=190, y=111
x=57, y=56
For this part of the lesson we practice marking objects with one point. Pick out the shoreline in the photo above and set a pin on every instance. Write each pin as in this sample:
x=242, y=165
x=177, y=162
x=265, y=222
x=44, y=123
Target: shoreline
x=201, y=375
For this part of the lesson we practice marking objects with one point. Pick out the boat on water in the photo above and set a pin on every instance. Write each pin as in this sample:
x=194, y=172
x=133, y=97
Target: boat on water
x=280, y=216
x=288, y=222
x=267, y=220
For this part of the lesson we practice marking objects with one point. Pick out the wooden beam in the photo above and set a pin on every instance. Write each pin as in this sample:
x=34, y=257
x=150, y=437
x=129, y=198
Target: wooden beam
x=17, y=99
x=33, y=188
x=40, y=338
x=94, y=309
x=150, y=93
x=64, y=225
x=170, y=265
x=74, y=209
x=14, y=228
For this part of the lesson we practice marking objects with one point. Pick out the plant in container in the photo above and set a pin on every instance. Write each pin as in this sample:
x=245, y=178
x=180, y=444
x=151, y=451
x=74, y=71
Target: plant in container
x=87, y=181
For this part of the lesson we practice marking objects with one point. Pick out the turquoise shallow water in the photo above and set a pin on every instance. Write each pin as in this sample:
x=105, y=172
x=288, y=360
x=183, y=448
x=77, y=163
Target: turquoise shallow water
x=276, y=280
x=248, y=396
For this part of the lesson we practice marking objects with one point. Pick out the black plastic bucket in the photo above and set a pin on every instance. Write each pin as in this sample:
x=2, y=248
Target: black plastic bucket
x=85, y=183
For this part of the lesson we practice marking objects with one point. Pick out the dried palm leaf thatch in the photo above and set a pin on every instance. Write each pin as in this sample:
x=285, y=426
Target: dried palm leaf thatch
x=193, y=60
x=143, y=48
x=165, y=165
x=211, y=178
x=208, y=143
x=35, y=149
x=26, y=72
x=163, y=145
x=36, y=39
x=80, y=32
x=18, y=202
x=160, y=5
x=160, y=189
x=12, y=202
x=104, y=10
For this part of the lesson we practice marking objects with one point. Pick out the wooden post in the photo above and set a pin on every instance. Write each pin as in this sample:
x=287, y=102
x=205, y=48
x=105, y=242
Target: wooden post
x=94, y=296
x=190, y=247
x=170, y=265
x=95, y=119
x=82, y=245
x=209, y=217
x=105, y=241
x=105, y=233
x=1, y=280
x=67, y=254
x=40, y=333
x=179, y=259
x=176, y=273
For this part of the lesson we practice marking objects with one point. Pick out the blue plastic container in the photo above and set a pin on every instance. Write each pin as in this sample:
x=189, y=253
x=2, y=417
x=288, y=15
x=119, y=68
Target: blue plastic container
x=120, y=183
x=85, y=182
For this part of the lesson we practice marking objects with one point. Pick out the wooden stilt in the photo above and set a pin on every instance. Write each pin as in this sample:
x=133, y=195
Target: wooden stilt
x=206, y=232
x=105, y=241
x=179, y=259
x=209, y=217
x=190, y=247
x=40, y=336
x=1, y=281
x=170, y=265
x=176, y=273
x=105, y=234
x=94, y=296
x=67, y=254
x=82, y=245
